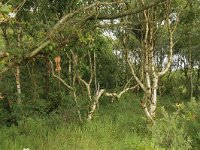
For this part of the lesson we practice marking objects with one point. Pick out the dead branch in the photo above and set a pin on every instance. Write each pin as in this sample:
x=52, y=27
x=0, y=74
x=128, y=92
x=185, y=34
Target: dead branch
x=87, y=85
x=118, y=95
x=59, y=78
x=94, y=104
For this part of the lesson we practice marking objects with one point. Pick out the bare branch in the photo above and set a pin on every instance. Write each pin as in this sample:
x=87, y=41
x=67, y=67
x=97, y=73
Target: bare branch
x=91, y=68
x=94, y=104
x=120, y=93
x=38, y=49
x=171, y=44
x=135, y=76
x=87, y=85
x=125, y=90
x=60, y=79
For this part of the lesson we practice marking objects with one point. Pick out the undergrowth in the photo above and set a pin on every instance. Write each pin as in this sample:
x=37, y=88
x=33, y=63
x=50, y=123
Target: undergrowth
x=120, y=125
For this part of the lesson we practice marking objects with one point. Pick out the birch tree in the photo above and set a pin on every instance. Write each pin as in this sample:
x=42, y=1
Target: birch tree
x=66, y=26
x=148, y=32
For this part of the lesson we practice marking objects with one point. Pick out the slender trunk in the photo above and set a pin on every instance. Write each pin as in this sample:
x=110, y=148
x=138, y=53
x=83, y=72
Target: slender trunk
x=144, y=105
x=197, y=82
x=73, y=80
x=77, y=107
x=34, y=82
x=190, y=74
x=47, y=77
x=154, y=97
x=34, y=93
x=190, y=69
x=117, y=64
x=71, y=88
x=59, y=87
x=95, y=72
x=70, y=71
x=17, y=77
x=94, y=104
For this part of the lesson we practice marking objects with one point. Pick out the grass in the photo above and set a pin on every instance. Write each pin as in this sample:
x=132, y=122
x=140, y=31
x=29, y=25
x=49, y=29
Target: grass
x=116, y=126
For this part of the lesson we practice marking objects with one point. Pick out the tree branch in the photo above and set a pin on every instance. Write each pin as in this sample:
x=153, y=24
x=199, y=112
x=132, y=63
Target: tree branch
x=47, y=40
x=135, y=76
x=87, y=85
x=60, y=79
x=127, y=12
x=171, y=44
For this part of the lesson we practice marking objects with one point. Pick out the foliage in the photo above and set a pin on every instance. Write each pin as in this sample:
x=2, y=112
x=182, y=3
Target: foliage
x=117, y=125
x=114, y=127
x=46, y=117
x=168, y=132
x=191, y=114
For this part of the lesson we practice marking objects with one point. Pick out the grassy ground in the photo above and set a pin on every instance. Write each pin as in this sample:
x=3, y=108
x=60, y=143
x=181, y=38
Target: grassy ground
x=116, y=126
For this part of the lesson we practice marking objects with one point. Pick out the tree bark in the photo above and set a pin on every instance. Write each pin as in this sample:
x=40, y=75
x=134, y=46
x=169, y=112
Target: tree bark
x=48, y=70
x=151, y=69
x=18, y=85
x=94, y=104
x=190, y=67
x=17, y=74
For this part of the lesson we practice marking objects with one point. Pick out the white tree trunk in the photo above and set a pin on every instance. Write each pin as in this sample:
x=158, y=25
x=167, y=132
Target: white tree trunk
x=94, y=104
x=154, y=97
x=17, y=77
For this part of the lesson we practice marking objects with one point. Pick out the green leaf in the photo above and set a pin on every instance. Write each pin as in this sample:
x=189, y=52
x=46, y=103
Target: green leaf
x=6, y=8
x=2, y=65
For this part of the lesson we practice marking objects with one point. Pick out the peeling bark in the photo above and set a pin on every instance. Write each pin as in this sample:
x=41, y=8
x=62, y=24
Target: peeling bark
x=18, y=85
x=151, y=71
x=94, y=103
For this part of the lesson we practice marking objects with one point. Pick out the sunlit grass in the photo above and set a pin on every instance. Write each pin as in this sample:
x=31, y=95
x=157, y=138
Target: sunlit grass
x=115, y=126
x=118, y=126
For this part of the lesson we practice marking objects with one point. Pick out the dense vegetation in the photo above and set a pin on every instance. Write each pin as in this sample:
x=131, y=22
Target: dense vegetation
x=81, y=74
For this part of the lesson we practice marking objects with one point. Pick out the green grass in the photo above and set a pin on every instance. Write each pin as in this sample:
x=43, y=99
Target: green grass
x=115, y=126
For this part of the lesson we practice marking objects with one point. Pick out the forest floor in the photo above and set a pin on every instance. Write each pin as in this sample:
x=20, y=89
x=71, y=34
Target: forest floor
x=120, y=125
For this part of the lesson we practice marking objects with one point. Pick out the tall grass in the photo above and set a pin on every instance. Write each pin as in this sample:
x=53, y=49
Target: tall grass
x=116, y=126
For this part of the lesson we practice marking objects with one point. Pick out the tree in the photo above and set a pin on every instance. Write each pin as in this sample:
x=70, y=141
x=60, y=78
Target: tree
x=63, y=30
x=154, y=22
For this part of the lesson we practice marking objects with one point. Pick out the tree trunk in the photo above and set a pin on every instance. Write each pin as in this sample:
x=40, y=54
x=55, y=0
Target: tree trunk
x=17, y=75
x=18, y=85
x=153, y=104
x=48, y=69
x=77, y=107
x=152, y=71
x=190, y=67
x=94, y=104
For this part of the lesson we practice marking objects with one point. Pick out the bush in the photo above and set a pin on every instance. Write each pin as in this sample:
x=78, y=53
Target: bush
x=169, y=133
x=191, y=117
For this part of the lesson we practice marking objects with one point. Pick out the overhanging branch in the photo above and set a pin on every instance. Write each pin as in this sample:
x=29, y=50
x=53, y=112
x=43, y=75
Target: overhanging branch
x=127, y=12
x=62, y=21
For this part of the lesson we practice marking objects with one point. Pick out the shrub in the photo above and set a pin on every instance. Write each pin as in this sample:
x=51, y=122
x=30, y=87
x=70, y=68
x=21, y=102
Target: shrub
x=169, y=133
x=191, y=117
